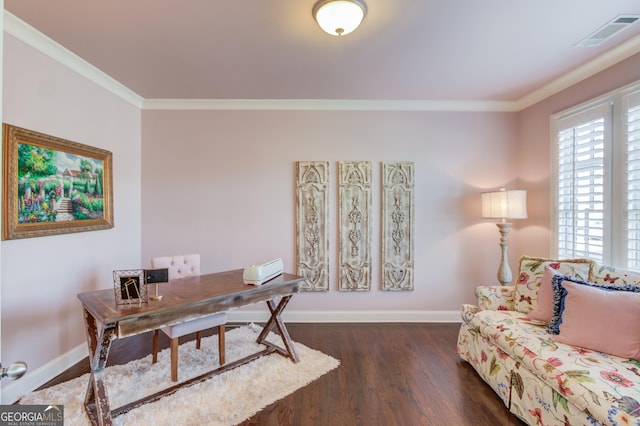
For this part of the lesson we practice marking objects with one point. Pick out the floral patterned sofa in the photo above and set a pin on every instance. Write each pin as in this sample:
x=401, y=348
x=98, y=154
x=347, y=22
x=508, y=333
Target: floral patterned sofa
x=540, y=380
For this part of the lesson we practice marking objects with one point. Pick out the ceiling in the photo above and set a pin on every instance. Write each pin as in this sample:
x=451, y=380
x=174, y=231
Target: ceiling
x=440, y=50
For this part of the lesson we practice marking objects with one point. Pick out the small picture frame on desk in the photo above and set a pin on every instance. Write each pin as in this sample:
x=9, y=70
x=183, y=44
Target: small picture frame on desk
x=129, y=287
x=156, y=276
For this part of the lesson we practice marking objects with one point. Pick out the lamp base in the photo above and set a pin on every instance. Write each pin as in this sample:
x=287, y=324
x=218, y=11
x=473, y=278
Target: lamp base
x=504, y=272
x=156, y=297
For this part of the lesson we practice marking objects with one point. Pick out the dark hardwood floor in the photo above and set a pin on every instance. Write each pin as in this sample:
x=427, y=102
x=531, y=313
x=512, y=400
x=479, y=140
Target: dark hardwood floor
x=390, y=374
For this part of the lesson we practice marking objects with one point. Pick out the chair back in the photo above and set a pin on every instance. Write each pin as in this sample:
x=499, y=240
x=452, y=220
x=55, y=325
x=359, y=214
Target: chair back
x=180, y=266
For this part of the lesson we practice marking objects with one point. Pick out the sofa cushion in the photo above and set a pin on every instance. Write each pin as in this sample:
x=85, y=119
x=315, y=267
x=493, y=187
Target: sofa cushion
x=604, y=384
x=531, y=271
x=600, y=319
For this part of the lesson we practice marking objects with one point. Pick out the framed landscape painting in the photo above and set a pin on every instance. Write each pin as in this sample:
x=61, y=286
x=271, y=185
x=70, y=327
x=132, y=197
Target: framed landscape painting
x=53, y=186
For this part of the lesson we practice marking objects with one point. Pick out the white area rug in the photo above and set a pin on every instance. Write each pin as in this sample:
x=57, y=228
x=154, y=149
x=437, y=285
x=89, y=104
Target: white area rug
x=226, y=399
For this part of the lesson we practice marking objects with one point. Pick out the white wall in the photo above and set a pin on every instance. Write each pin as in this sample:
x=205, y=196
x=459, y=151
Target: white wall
x=41, y=315
x=221, y=183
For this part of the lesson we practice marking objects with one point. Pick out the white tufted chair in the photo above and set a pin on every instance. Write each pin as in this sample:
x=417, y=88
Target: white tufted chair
x=180, y=267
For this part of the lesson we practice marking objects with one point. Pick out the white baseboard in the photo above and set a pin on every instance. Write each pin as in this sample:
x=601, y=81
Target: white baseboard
x=12, y=391
x=31, y=381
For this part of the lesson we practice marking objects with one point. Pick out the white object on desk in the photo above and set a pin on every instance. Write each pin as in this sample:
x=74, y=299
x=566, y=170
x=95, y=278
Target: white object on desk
x=258, y=274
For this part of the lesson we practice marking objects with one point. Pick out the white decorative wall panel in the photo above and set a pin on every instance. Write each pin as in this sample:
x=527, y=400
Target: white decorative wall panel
x=355, y=225
x=312, y=224
x=397, y=225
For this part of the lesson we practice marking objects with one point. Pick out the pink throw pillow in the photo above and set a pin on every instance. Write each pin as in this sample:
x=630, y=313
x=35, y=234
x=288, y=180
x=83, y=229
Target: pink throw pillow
x=544, y=309
x=601, y=320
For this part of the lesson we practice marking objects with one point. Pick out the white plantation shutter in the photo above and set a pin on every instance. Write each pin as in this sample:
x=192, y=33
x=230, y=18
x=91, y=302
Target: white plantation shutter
x=580, y=183
x=632, y=135
x=596, y=180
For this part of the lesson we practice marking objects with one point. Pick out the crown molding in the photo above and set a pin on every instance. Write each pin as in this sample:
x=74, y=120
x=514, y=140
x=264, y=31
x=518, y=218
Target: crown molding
x=609, y=58
x=24, y=32
x=39, y=41
x=326, y=105
x=19, y=29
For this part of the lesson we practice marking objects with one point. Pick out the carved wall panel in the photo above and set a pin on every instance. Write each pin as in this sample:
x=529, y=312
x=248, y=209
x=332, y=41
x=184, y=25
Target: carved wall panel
x=312, y=224
x=355, y=225
x=397, y=225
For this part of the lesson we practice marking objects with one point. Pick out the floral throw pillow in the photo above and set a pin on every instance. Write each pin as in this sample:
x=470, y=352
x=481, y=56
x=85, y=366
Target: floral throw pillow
x=531, y=271
x=543, y=310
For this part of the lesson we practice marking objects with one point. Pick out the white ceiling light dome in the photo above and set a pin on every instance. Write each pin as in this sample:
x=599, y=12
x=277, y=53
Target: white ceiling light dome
x=339, y=17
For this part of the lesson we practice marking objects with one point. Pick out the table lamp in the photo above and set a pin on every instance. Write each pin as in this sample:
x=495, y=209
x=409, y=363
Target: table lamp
x=504, y=205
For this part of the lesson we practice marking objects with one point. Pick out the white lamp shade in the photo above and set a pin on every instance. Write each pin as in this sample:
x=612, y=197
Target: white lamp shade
x=339, y=17
x=504, y=204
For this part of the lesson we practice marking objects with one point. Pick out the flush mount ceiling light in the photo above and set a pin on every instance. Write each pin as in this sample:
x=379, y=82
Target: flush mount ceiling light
x=339, y=17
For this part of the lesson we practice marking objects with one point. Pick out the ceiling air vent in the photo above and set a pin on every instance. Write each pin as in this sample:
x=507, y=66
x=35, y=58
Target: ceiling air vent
x=608, y=30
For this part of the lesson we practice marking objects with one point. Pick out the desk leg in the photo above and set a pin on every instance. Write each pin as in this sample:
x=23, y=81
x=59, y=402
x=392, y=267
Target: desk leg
x=276, y=320
x=96, y=400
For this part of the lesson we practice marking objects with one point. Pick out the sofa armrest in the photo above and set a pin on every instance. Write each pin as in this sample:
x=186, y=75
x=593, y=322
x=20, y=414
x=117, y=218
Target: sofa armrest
x=496, y=297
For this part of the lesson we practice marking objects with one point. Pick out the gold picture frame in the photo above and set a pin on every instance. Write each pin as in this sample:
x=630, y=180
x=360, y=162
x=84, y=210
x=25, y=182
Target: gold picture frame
x=53, y=186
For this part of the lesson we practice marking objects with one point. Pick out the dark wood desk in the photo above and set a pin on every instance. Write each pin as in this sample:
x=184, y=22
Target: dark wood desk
x=183, y=299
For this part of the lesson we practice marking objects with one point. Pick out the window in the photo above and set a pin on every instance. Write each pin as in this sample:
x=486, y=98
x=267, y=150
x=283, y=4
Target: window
x=596, y=180
x=632, y=135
